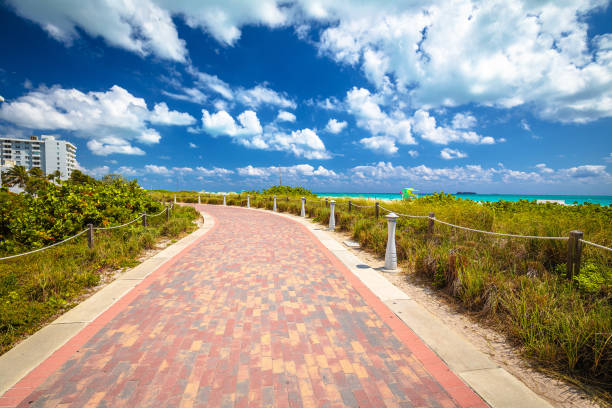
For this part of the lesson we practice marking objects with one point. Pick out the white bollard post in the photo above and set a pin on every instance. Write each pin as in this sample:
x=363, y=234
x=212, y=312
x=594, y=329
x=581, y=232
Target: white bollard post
x=224, y=202
x=391, y=253
x=303, y=212
x=274, y=206
x=175, y=199
x=332, y=216
x=248, y=201
x=199, y=202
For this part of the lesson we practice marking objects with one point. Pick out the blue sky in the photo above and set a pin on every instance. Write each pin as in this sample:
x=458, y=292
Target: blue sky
x=368, y=96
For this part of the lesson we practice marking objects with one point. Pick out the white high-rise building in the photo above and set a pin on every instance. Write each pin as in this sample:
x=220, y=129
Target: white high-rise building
x=46, y=153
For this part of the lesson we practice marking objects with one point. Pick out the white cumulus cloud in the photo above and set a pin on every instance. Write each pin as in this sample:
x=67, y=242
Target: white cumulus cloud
x=113, y=145
x=96, y=172
x=449, y=154
x=214, y=172
x=261, y=95
x=253, y=171
x=203, y=83
x=425, y=125
x=249, y=132
x=380, y=144
x=290, y=173
x=111, y=119
x=587, y=173
x=164, y=116
x=502, y=54
x=386, y=129
x=143, y=27
x=334, y=126
x=222, y=123
x=463, y=121
x=285, y=116
x=155, y=169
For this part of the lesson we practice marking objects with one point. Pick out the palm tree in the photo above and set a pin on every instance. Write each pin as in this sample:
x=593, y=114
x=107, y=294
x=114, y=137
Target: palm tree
x=36, y=172
x=55, y=175
x=16, y=176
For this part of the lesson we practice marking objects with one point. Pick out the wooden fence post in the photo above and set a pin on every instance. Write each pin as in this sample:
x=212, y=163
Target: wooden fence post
x=326, y=202
x=144, y=219
x=574, y=253
x=167, y=213
x=287, y=198
x=350, y=205
x=90, y=236
x=377, y=209
x=430, y=227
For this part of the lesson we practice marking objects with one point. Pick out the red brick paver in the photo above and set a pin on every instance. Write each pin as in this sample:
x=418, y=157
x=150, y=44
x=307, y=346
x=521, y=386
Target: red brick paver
x=256, y=313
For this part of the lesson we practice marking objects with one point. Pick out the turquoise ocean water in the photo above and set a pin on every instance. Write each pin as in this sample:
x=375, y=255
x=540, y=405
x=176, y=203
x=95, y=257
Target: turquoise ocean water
x=569, y=199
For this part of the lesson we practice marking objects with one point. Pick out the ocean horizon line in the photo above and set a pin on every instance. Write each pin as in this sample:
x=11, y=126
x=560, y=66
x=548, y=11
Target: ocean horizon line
x=470, y=193
x=604, y=200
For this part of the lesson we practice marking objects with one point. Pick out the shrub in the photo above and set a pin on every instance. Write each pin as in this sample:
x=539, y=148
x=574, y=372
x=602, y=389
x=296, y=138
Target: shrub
x=60, y=211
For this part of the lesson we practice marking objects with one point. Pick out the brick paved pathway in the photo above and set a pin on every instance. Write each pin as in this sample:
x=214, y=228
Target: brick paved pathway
x=256, y=313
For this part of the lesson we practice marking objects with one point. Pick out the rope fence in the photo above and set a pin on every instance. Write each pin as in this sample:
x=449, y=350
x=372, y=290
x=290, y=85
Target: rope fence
x=491, y=232
x=90, y=229
x=159, y=213
x=118, y=226
x=595, y=245
x=403, y=215
x=47, y=247
x=363, y=206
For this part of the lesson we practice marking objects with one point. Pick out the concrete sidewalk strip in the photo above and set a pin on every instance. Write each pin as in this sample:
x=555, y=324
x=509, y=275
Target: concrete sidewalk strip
x=28, y=354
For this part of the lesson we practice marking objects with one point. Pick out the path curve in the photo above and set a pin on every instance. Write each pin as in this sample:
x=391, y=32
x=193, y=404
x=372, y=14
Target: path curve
x=255, y=313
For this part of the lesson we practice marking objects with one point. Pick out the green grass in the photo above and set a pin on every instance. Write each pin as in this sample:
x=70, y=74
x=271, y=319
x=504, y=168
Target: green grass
x=181, y=196
x=516, y=285
x=36, y=287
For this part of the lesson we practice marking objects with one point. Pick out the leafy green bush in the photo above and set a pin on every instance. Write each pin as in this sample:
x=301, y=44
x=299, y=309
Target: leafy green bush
x=286, y=191
x=59, y=211
x=594, y=279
